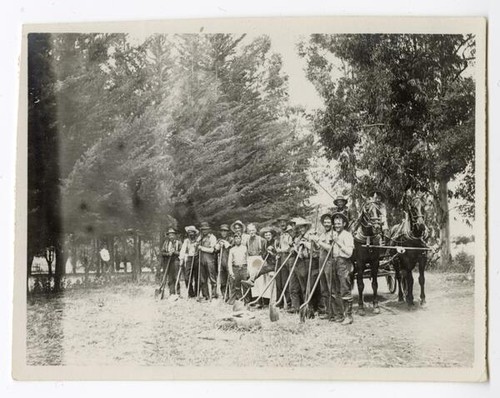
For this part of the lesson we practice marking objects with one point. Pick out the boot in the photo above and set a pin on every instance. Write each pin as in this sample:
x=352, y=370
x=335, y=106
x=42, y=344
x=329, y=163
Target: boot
x=348, y=313
x=338, y=310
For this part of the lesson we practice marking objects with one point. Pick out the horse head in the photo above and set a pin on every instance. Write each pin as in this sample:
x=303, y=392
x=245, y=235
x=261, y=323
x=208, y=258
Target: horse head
x=416, y=213
x=371, y=220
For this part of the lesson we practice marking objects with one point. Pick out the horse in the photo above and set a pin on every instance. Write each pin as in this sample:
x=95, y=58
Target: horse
x=367, y=231
x=411, y=232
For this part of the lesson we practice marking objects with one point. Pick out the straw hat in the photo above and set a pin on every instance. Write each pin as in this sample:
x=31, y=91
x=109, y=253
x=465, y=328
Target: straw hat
x=191, y=228
x=238, y=222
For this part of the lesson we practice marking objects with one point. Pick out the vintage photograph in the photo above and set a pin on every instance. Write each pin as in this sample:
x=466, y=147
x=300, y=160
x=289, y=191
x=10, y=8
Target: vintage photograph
x=253, y=200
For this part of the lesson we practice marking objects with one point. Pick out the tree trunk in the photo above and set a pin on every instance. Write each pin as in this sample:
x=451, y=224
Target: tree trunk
x=138, y=256
x=111, y=248
x=134, y=261
x=60, y=265
x=444, y=224
x=97, y=258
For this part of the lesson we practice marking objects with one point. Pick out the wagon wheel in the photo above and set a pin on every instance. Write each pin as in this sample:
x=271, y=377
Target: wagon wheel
x=391, y=283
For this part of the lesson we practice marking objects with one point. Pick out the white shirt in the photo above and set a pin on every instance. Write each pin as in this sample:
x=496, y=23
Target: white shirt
x=345, y=245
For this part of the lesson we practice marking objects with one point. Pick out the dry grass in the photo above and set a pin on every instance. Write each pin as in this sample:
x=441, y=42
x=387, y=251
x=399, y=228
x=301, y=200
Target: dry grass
x=126, y=325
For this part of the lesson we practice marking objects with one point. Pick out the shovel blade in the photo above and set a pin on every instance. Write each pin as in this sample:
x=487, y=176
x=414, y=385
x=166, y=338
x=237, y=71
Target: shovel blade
x=238, y=306
x=273, y=313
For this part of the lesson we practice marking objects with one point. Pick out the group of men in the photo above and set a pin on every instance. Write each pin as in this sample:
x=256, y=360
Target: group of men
x=242, y=263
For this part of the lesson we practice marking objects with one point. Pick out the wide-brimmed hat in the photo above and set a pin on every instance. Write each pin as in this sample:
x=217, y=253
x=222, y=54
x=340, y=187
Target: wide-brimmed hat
x=302, y=221
x=171, y=231
x=224, y=227
x=339, y=199
x=204, y=225
x=267, y=229
x=238, y=222
x=282, y=218
x=191, y=228
x=323, y=216
x=340, y=215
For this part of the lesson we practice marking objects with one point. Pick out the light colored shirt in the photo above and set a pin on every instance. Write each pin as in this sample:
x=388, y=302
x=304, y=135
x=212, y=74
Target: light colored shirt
x=188, y=249
x=326, y=238
x=237, y=256
x=345, y=245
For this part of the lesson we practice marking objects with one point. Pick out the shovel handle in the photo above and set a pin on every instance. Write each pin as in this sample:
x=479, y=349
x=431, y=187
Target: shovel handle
x=289, y=277
x=316, y=282
x=272, y=280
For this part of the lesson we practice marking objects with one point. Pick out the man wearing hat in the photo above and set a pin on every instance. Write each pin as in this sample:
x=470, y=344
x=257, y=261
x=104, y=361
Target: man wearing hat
x=284, y=243
x=238, y=228
x=208, y=269
x=342, y=268
x=170, y=252
x=256, y=247
x=341, y=206
x=324, y=243
x=222, y=249
x=189, y=260
x=238, y=269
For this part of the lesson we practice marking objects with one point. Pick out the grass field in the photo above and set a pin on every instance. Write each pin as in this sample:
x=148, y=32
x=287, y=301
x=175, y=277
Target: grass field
x=124, y=324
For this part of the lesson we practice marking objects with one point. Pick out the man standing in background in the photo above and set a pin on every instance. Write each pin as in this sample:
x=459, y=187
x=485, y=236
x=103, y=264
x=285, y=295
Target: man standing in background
x=208, y=269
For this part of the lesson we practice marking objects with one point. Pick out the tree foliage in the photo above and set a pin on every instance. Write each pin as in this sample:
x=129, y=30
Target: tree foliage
x=400, y=113
x=174, y=130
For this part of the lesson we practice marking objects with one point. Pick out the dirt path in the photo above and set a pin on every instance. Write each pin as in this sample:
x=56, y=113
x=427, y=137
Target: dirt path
x=125, y=325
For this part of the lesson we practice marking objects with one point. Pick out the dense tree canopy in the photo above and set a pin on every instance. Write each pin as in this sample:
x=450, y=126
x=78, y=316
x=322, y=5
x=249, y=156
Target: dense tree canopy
x=171, y=131
x=399, y=113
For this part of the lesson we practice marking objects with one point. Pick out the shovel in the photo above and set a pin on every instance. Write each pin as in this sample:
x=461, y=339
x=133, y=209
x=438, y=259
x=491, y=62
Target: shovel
x=273, y=313
x=238, y=304
x=177, y=294
x=304, y=312
x=218, y=284
x=271, y=281
x=316, y=282
x=161, y=290
x=190, y=275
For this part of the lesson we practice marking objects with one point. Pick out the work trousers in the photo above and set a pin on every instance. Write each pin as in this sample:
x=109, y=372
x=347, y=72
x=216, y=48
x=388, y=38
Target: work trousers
x=224, y=274
x=191, y=275
x=298, y=284
x=341, y=279
x=208, y=275
x=173, y=269
x=282, y=277
x=326, y=283
x=240, y=274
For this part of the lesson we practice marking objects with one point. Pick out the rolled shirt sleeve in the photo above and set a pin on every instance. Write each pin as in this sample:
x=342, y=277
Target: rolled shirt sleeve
x=347, y=244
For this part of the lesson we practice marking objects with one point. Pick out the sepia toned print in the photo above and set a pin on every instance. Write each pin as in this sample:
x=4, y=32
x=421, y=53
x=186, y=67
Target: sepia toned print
x=229, y=199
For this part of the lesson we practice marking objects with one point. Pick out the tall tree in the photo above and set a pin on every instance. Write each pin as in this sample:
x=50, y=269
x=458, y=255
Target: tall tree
x=399, y=113
x=44, y=215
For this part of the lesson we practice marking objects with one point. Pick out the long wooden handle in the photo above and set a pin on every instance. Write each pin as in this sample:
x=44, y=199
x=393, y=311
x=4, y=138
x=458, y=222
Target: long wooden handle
x=272, y=280
x=289, y=277
x=318, y=278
